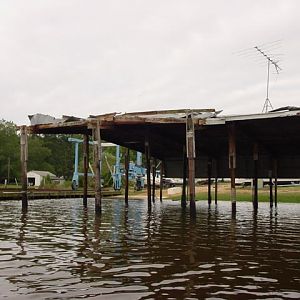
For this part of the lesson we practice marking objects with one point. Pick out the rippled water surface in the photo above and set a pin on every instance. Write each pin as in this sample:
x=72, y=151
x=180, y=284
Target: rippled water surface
x=59, y=251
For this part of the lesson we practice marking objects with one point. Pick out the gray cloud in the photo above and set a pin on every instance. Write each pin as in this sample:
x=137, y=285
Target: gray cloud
x=92, y=57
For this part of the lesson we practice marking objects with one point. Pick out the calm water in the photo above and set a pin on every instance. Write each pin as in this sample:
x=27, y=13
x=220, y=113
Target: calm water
x=59, y=251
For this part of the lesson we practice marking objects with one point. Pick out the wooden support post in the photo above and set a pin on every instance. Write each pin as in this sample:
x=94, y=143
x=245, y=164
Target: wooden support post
x=24, y=161
x=232, y=164
x=153, y=179
x=191, y=154
x=271, y=187
x=209, y=166
x=255, y=177
x=275, y=168
x=161, y=180
x=184, y=175
x=126, y=175
x=85, y=168
x=97, y=166
x=216, y=180
x=148, y=165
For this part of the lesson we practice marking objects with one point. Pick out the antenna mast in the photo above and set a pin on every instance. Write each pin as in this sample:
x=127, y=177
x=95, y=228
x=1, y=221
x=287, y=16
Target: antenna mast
x=268, y=104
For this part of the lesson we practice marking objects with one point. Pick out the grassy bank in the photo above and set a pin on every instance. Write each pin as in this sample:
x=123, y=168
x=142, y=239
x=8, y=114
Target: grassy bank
x=284, y=194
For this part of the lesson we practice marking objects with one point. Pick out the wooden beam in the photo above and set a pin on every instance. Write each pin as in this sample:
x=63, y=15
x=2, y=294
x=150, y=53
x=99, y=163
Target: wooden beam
x=24, y=161
x=85, y=168
x=232, y=163
x=191, y=154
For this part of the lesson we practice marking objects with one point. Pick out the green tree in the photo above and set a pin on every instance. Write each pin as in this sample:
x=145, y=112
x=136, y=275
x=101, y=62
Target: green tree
x=9, y=151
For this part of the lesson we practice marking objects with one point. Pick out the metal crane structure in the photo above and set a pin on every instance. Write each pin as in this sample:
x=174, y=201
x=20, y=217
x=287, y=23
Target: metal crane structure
x=136, y=170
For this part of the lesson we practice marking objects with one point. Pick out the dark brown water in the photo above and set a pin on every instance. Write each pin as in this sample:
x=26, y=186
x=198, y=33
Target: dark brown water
x=59, y=251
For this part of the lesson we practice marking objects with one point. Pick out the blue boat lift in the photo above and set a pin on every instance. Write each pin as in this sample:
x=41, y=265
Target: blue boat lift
x=136, y=170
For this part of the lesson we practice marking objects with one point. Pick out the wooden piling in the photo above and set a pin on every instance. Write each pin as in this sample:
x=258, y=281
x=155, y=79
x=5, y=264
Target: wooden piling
x=271, y=188
x=97, y=166
x=24, y=161
x=255, y=177
x=148, y=164
x=275, y=168
x=184, y=175
x=161, y=180
x=85, y=168
x=209, y=166
x=191, y=154
x=216, y=180
x=153, y=179
x=232, y=163
x=126, y=176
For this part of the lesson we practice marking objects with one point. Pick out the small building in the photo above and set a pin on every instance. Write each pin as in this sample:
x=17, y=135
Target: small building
x=36, y=178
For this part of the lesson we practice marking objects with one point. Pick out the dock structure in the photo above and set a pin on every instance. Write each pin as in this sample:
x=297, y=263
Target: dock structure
x=190, y=143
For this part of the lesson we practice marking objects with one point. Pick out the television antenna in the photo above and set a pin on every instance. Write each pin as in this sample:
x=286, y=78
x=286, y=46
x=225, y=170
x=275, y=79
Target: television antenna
x=265, y=50
x=270, y=61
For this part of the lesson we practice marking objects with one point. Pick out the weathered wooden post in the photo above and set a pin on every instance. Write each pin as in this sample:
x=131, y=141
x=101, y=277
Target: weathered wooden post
x=148, y=164
x=161, y=183
x=209, y=166
x=275, y=167
x=24, y=161
x=232, y=163
x=191, y=154
x=271, y=183
x=85, y=168
x=126, y=176
x=255, y=177
x=184, y=175
x=97, y=166
x=153, y=179
x=216, y=180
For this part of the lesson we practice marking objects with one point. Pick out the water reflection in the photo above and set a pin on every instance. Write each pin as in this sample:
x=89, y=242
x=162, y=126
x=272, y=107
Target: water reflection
x=130, y=252
x=21, y=238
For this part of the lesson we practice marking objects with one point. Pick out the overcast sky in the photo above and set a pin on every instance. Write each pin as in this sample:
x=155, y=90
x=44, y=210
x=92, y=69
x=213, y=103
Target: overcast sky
x=82, y=57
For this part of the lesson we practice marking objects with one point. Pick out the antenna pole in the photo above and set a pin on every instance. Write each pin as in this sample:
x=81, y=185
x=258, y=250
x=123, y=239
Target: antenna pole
x=267, y=103
x=268, y=80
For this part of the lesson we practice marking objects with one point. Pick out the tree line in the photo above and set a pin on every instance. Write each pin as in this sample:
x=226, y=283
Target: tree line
x=53, y=153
